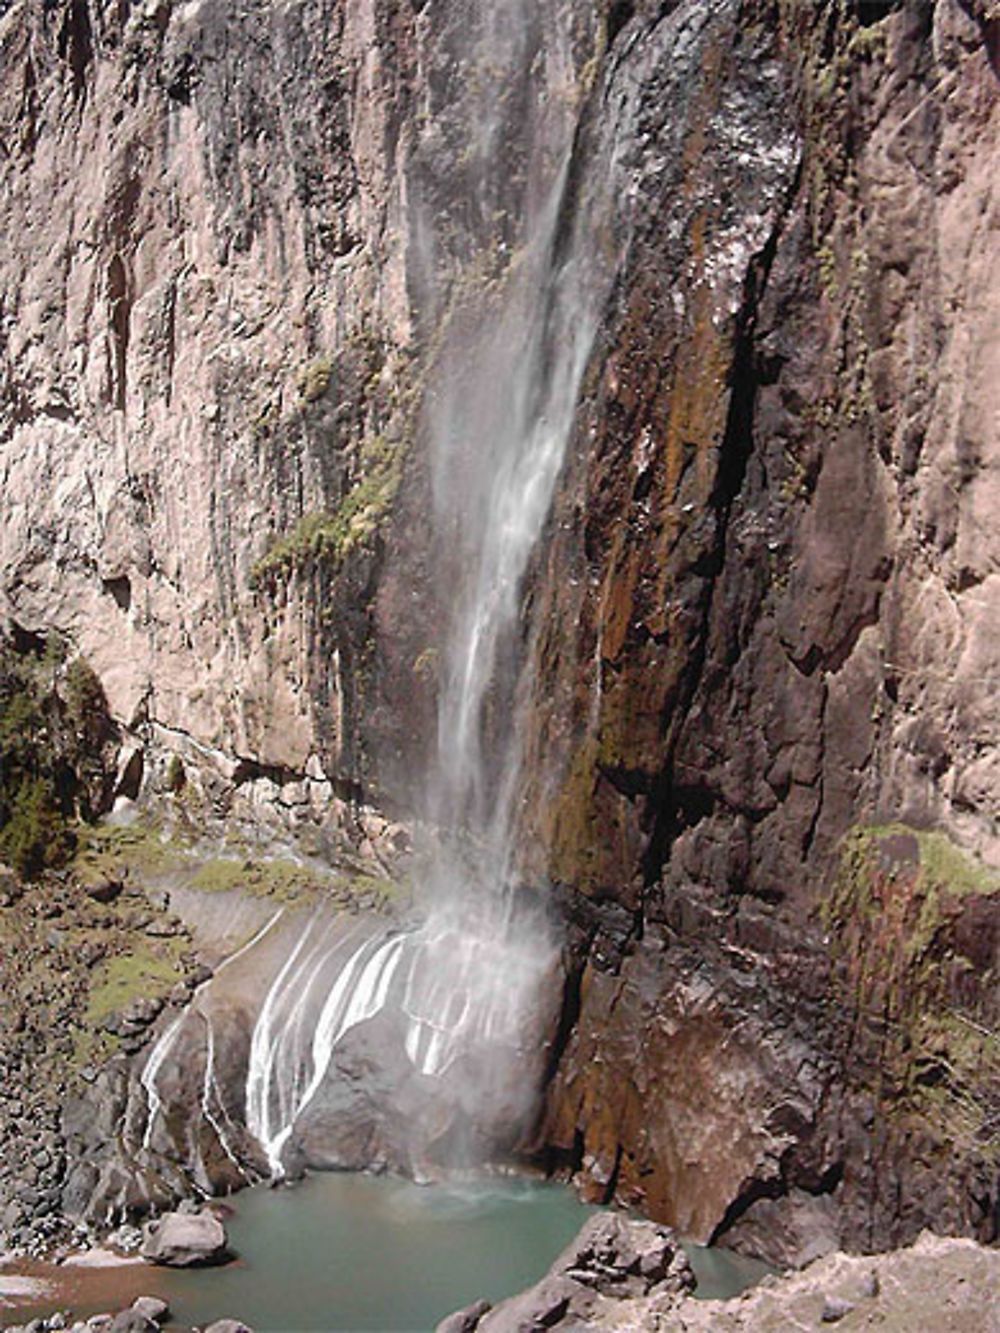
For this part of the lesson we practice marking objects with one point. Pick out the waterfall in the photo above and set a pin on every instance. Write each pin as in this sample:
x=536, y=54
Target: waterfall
x=450, y=1007
x=463, y=983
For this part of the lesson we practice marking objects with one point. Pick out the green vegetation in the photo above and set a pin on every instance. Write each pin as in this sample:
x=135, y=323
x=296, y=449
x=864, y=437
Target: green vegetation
x=54, y=723
x=146, y=969
x=279, y=879
x=285, y=880
x=330, y=537
x=142, y=847
x=892, y=920
x=151, y=853
x=175, y=775
x=314, y=379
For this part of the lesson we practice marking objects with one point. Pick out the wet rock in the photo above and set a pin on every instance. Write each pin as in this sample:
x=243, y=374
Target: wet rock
x=181, y=1240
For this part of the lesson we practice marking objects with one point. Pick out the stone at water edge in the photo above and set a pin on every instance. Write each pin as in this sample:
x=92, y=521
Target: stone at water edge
x=154, y=1309
x=464, y=1321
x=613, y=1257
x=131, y=1321
x=184, y=1240
x=227, y=1326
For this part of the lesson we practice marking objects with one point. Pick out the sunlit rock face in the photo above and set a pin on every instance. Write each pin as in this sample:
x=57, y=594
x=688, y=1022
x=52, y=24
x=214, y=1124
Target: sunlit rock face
x=574, y=426
x=234, y=240
x=761, y=629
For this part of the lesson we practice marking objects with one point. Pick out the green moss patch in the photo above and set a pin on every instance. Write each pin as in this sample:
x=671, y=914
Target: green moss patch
x=142, y=848
x=284, y=880
x=148, y=968
x=905, y=920
x=330, y=536
x=313, y=379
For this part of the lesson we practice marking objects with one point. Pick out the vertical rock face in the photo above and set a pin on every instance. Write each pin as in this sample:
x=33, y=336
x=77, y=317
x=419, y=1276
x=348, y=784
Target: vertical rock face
x=241, y=243
x=173, y=199
x=775, y=632
x=232, y=237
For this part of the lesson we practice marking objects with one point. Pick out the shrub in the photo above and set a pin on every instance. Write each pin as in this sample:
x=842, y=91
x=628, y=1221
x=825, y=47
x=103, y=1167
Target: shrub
x=35, y=834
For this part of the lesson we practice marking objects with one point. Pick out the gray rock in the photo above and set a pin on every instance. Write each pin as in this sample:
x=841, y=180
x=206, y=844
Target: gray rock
x=834, y=1309
x=153, y=1308
x=126, y=1238
x=181, y=1240
x=105, y=890
x=227, y=1326
x=131, y=1321
x=624, y=1255
x=466, y=1320
x=142, y=1011
x=541, y=1306
x=870, y=1286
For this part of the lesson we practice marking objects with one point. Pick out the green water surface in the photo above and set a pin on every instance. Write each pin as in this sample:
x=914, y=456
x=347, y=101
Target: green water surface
x=339, y=1251
x=361, y=1252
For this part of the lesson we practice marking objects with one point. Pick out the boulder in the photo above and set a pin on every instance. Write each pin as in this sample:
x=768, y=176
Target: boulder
x=465, y=1320
x=131, y=1321
x=227, y=1326
x=181, y=1240
x=153, y=1308
x=613, y=1257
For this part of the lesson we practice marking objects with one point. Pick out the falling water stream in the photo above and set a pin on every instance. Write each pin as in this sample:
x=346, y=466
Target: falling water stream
x=466, y=987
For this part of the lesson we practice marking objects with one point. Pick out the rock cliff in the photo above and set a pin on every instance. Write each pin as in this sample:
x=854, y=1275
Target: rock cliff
x=756, y=659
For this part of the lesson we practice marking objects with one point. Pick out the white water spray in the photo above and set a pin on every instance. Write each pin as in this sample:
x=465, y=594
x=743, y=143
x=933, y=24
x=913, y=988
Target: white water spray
x=457, y=996
x=468, y=979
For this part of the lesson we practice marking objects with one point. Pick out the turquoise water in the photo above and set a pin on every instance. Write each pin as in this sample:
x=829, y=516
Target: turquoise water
x=338, y=1252
x=363, y=1252
x=360, y=1252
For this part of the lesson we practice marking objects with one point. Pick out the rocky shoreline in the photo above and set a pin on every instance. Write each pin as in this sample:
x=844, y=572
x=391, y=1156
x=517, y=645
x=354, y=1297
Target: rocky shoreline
x=146, y=1314
x=631, y=1276
x=186, y=1239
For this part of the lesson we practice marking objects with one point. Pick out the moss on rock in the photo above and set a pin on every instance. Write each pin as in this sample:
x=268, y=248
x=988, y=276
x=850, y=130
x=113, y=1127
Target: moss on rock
x=331, y=536
x=908, y=921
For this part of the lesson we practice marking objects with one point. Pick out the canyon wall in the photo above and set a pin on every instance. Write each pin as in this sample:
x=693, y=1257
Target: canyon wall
x=758, y=664
x=766, y=653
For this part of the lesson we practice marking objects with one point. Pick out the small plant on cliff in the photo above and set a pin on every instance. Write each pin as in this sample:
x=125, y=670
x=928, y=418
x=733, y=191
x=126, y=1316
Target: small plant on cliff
x=332, y=536
x=314, y=380
x=175, y=777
